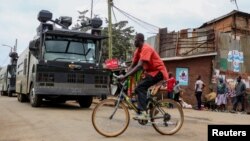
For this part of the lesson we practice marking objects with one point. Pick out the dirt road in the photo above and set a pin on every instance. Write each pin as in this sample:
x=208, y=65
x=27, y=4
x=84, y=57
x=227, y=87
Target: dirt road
x=67, y=122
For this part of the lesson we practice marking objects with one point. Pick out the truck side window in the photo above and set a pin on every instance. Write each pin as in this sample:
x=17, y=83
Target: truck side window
x=25, y=66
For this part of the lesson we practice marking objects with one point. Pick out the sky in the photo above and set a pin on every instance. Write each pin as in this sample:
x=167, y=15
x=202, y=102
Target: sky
x=18, y=18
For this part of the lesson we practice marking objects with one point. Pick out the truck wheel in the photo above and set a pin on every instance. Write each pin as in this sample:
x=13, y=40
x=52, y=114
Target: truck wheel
x=103, y=96
x=21, y=98
x=85, y=101
x=4, y=93
x=35, y=100
x=9, y=92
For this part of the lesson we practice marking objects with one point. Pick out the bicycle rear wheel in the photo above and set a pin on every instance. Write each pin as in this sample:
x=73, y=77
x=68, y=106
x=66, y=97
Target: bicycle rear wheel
x=167, y=117
x=104, y=124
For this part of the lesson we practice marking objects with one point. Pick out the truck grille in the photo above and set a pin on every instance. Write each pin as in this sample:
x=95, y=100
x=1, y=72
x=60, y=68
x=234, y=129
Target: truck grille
x=75, y=78
x=45, y=77
x=101, y=79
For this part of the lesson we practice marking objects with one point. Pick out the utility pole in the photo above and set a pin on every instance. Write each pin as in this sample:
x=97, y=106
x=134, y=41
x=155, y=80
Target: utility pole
x=13, y=54
x=110, y=3
x=91, y=12
x=15, y=46
x=235, y=1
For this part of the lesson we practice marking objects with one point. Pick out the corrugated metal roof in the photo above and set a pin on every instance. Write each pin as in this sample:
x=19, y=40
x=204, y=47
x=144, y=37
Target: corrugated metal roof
x=188, y=57
x=224, y=16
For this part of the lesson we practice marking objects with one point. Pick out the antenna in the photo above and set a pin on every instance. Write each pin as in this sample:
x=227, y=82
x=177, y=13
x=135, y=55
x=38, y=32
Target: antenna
x=235, y=1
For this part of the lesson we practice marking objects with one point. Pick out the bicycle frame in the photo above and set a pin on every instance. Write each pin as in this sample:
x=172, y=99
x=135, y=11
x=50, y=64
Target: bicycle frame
x=122, y=96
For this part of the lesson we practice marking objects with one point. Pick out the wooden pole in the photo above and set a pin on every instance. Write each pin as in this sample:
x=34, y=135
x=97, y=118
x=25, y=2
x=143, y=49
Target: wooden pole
x=110, y=3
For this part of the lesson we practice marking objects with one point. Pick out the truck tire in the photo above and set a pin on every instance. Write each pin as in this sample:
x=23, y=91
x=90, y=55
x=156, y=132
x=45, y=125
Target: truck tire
x=35, y=100
x=21, y=98
x=103, y=96
x=85, y=101
x=9, y=92
x=4, y=93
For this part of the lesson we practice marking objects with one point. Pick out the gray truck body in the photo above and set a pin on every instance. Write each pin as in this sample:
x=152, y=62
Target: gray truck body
x=61, y=65
x=7, y=80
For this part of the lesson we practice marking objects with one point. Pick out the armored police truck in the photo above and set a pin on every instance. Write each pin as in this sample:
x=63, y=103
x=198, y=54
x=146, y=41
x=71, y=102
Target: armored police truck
x=7, y=80
x=3, y=80
x=8, y=76
x=61, y=64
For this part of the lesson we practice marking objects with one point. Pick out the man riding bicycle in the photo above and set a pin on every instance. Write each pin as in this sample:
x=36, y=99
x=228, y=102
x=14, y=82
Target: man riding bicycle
x=154, y=71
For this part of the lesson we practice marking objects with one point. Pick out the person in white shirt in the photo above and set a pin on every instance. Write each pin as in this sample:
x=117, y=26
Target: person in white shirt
x=199, y=86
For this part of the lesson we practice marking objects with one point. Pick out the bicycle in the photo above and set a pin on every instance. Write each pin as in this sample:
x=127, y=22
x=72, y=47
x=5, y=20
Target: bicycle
x=111, y=117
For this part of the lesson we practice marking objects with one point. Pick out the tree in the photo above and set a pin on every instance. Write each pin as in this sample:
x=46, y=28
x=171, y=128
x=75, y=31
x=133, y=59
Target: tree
x=122, y=37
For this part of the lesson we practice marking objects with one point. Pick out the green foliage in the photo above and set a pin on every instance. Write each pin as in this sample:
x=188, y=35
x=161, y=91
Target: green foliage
x=122, y=40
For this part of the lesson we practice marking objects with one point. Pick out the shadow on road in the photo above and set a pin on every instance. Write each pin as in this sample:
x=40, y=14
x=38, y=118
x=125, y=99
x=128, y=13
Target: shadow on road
x=66, y=106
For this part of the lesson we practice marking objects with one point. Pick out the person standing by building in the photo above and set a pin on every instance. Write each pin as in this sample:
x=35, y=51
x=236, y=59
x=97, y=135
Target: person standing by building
x=240, y=91
x=221, y=98
x=199, y=86
x=170, y=86
x=177, y=91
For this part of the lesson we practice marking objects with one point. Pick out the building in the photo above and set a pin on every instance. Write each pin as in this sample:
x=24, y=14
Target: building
x=218, y=48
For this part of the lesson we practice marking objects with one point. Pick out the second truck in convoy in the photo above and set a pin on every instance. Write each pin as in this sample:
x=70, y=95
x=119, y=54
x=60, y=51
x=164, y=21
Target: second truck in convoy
x=61, y=64
x=8, y=76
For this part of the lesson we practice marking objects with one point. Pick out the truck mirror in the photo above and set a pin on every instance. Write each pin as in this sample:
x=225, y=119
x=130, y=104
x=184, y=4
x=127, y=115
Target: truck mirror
x=34, y=46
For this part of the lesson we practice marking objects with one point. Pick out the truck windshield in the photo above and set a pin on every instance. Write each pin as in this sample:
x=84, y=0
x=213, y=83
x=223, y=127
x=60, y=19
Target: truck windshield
x=70, y=50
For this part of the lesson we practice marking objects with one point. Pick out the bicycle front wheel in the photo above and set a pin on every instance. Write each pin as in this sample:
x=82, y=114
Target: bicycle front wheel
x=106, y=124
x=167, y=117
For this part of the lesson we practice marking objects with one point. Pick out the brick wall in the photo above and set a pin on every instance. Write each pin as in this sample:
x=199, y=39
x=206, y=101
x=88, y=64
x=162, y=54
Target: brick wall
x=196, y=66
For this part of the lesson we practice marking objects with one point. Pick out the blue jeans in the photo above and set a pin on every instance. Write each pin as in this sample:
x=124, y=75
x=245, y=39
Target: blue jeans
x=170, y=95
x=142, y=88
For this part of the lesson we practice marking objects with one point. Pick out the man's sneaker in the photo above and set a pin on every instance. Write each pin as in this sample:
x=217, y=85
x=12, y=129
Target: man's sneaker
x=142, y=116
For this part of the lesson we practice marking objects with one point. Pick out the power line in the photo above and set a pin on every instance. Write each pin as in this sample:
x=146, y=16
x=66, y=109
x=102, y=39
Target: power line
x=143, y=26
x=113, y=14
x=139, y=19
x=136, y=19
